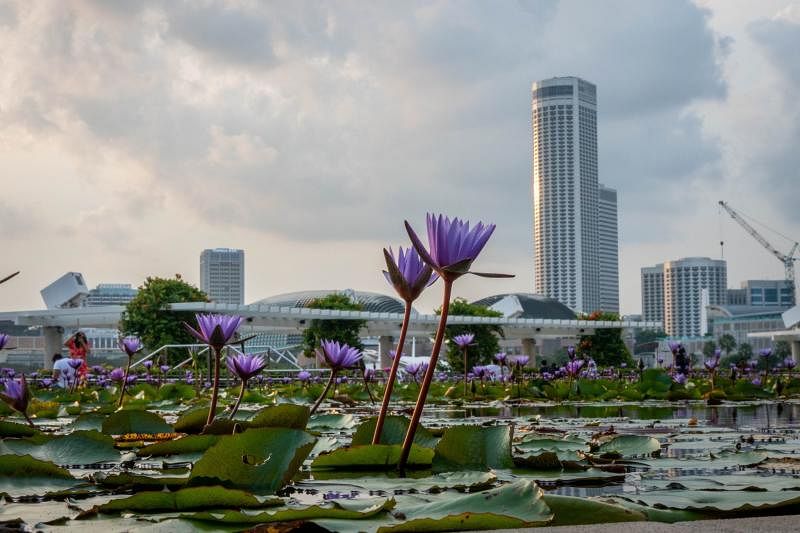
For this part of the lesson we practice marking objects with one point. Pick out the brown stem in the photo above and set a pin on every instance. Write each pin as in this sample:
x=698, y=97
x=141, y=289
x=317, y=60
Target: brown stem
x=238, y=400
x=387, y=394
x=30, y=422
x=465, y=372
x=426, y=382
x=366, y=386
x=124, y=383
x=325, y=392
x=213, y=409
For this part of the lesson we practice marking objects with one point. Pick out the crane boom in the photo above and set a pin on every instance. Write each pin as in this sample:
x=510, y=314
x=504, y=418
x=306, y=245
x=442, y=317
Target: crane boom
x=787, y=259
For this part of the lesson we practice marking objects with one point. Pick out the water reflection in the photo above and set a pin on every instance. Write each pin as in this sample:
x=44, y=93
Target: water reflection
x=761, y=415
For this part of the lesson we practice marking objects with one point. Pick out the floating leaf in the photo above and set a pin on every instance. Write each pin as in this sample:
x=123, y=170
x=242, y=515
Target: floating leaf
x=474, y=448
x=715, y=501
x=139, y=482
x=16, y=466
x=375, y=457
x=394, y=432
x=187, y=444
x=262, y=460
x=570, y=511
x=193, y=420
x=12, y=429
x=542, y=461
x=187, y=499
x=630, y=446
x=466, y=481
x=135, y=421
x=77, y=448
x=331, y=422
x=285, y=415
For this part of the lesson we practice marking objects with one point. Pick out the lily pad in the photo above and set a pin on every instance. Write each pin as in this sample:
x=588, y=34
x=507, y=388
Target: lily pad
x=466, y=481
x=715, y=501
x=474, y=448
x=340, y=509
x=187, y=499
x=187, y=444
x=394, y=432
x=629, y=446
x=193, y=420
x=78, y=448
x=140, y=482
x=262, y=460
x=135, y=421
x=331, y=422
x=375, y=457
x=570, y=511
x=285, y=415
x=15, y=466
x=12, y=429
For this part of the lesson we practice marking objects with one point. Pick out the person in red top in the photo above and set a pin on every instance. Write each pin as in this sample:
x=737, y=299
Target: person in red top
x=79, y=348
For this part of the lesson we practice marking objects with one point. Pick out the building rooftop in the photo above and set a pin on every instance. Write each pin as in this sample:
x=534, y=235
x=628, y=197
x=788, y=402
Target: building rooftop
x=526, y=305
x=371, y=301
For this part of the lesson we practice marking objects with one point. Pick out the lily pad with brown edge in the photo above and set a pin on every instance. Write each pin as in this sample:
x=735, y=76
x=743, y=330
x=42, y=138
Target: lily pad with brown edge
x=629, y=446
x=261, y=459
x=372, y=457
x=187, y=444
x=474, y=448
x=571, y=511
x=193, y=420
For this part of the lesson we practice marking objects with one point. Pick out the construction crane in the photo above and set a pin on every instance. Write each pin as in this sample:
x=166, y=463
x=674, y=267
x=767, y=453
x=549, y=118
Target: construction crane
x=787, y=259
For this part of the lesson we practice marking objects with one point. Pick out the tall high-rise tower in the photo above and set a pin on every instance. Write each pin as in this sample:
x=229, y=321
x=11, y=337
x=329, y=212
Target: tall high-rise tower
x=565, y=192
x=608, y=249
x=222, y=275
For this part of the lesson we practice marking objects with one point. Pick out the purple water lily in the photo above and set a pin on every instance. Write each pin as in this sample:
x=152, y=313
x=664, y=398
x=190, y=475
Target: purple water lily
x=338, y=356
x=17, y=396
x=148, y=365
x=674, y=346
x=765, y=352
x=75, y=364
x=756, y=381
x=464, y=340
x=573, y=367
x=117, y=375
x=303, y=376
x=680, y=379
x=501, y=358
x=521, y=360
x=4, y=337
x=408, y=273
x=164, y=368
x=481, y=372
x=711, y=364
x=245, y=366
x=789, y=363
x=453, y=247
x=131, y=345
x=571, y=352
x=416, y=369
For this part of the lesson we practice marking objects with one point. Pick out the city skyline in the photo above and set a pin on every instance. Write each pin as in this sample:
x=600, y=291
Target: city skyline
x=134, y=135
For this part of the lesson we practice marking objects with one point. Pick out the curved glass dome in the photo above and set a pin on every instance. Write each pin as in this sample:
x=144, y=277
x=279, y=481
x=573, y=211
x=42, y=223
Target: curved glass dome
x=371, y=301
x=525, y=305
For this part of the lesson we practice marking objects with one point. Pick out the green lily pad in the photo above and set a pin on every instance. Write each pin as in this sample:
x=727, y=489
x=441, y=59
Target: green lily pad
x=135, y=421
x=571, y=511
x=187, y=499
x=723, y=460
x=542, y=461
x=331, y=422
x=630, y=446
x=193, y=420
x=16, y=466
x=187, y=444
x=375, y=457
x=394, y=432
x=176, y=391
x=285, y=415
x=537, y=443
x=337, y=510
x=465, y=481
x=77, y=448
x=262, y=460
x=715, y=501
x=474, y=448
x=12, y=429
x=512, y=506
x=88, y=421
x=139, y=482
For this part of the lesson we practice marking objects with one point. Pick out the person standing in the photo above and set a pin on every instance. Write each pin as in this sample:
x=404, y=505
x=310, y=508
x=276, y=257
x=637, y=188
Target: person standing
x=63, y=374
x=79, y=348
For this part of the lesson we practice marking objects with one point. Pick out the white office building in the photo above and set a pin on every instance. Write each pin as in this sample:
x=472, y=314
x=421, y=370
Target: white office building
x=111, y=294
x=608, y=249
x=688, y=283
x=565, y=192
x=222, y=275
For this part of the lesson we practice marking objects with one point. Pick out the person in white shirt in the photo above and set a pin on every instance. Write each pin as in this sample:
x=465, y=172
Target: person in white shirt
x=63, y=374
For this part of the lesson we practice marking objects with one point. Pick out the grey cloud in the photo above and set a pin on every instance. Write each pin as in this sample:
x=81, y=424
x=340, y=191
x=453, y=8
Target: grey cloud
x=8, y=14
x=780, y=40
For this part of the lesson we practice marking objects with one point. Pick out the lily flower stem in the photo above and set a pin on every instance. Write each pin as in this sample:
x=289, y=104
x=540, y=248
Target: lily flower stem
x=366, y=386
x=238, y=400
x=212, y=410
x=124, y=384
x=426, y=382
x=387, y=394
x=465, y=372
x=324, y=392
x=28, y=419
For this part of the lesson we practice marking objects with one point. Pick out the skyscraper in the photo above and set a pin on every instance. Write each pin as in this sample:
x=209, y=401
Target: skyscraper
x=653, y=293
x=608, y=249
x=222, y=275
x=565, y=192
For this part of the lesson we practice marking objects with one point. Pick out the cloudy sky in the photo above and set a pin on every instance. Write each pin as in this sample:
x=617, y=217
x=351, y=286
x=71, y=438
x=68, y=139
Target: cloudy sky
x=135, y=134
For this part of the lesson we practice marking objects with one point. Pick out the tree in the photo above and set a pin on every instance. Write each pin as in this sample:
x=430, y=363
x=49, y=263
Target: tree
x=708, y=349
x=745, y=351
x=485, y=345
x=782, y=349
x=727, y=343
x=345, y=331
x=148, y=317
x=606, y=346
